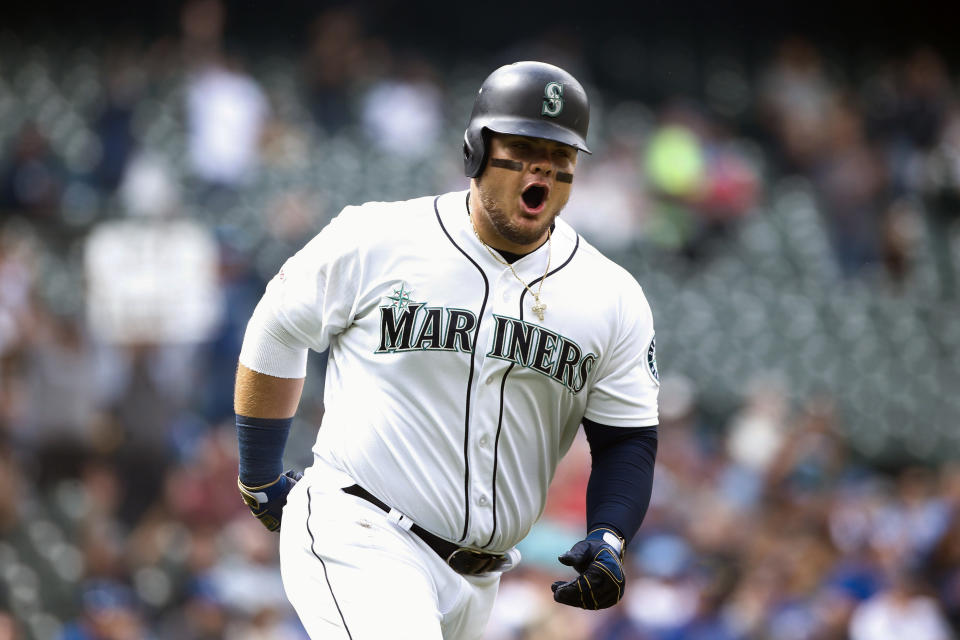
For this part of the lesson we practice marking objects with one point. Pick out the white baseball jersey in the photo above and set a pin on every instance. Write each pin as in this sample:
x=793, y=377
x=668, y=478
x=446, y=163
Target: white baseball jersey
x=446, y=397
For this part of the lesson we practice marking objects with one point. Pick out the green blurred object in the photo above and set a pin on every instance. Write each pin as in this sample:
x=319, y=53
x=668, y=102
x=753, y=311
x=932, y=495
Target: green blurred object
x=675, y=161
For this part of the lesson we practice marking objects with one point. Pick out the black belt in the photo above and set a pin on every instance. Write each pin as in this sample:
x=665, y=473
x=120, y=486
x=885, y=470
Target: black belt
x=462, y=560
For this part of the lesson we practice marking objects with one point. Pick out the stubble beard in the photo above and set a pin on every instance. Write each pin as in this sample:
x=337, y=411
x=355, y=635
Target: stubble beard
x=506, y=227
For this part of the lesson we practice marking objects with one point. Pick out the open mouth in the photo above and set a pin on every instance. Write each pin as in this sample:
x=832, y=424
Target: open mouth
x=534, y=196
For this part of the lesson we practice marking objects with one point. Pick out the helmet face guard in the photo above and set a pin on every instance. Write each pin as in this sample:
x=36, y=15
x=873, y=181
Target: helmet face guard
x=531, y=99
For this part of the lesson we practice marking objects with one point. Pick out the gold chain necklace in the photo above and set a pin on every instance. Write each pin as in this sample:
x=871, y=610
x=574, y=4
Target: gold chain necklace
x=538, y=306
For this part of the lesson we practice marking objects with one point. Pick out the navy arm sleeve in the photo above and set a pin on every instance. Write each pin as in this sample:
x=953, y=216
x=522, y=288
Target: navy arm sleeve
x=621, y=476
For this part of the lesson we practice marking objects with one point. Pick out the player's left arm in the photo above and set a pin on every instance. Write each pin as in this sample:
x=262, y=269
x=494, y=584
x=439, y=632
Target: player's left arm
x=618, y=494
x=621, y=426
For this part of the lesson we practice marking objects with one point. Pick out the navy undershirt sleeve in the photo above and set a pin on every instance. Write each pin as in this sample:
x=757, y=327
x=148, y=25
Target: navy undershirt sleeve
x=621, y=477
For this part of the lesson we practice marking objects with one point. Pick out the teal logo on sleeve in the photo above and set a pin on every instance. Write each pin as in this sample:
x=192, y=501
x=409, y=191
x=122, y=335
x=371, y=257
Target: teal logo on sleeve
x=652, y=360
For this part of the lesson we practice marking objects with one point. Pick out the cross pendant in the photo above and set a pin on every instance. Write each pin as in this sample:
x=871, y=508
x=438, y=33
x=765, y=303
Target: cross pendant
x=538, y=309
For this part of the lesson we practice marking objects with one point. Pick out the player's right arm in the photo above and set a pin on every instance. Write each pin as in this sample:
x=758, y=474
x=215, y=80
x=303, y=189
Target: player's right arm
x=264, y=407
x=265, y=404
x=308, y=301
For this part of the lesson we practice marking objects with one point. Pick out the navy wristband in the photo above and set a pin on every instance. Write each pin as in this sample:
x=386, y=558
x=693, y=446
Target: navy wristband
x=261, y=442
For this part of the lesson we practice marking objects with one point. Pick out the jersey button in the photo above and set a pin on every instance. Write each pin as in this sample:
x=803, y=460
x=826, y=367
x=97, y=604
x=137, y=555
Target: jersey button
x=489, y=379
x=482, y=501
x=483, y=441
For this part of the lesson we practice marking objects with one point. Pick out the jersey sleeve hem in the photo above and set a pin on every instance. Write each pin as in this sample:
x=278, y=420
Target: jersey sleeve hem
x=623, y=422
x=270, y=349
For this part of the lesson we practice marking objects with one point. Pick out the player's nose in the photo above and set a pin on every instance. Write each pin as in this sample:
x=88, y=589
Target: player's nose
x=540, y=161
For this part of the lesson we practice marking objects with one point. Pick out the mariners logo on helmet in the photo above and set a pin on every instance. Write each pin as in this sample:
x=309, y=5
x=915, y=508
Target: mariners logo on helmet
x=552, y=99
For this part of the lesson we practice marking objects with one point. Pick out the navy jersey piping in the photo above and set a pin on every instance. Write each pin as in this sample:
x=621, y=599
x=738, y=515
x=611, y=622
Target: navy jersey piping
x=496, y=449
x=503, y=384
x=473, y=352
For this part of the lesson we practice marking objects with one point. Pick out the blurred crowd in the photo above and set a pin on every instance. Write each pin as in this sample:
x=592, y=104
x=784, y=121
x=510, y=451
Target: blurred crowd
x=766, y=528
x=148, y=190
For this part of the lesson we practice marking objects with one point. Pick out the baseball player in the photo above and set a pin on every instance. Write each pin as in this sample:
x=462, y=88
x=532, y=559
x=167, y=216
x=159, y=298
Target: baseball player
x=470, y=336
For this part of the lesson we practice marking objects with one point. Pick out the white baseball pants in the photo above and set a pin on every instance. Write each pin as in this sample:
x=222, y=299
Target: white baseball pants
x=352, y=574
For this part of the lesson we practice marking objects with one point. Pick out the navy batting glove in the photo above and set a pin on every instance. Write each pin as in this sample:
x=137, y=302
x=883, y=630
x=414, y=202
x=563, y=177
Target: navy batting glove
x=599, y=560
x=267, y=501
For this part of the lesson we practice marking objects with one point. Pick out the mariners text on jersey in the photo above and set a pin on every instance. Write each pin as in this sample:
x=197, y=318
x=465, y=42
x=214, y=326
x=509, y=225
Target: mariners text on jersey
x=522, y=343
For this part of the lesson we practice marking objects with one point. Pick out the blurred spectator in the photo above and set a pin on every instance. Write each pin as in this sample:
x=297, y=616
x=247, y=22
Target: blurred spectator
x=943, y=566
x=200, y=491
x=110, y=612
x=519, y=606
x=707, y=623
x=813, y=458
x=941, y=194
x=143, y=415
x=756, y=431
x=226, y=113
x=152, y=298
x=334, y=67
x=31, y=176
x=900, y=242
x=609, y=205
x=402, y=112
x=661, y=605
x=618, y=626
x=241, y=288
x=794, y=95
x=675, y=167
x=901, y=611
x=202, y=616
x=248, y=580
x=114, y=123
x=850, y=184
x=152, y=282
x=906, y=104
x=702, y=178
x=911, y=522
x=732, y=184
x=201, y=23
x=64, y=397
x=148, y=189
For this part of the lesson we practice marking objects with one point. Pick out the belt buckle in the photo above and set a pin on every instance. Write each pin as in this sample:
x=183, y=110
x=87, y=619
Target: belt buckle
x=469, y=562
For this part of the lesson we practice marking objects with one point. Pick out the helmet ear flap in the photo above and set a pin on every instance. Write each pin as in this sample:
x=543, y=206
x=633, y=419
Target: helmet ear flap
x=474, y=151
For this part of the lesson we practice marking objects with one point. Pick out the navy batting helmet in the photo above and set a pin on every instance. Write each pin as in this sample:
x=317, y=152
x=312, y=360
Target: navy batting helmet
x=531, y=99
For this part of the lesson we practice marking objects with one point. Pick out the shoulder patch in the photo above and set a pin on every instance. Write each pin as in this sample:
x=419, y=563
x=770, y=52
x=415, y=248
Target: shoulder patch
x=652, y=360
